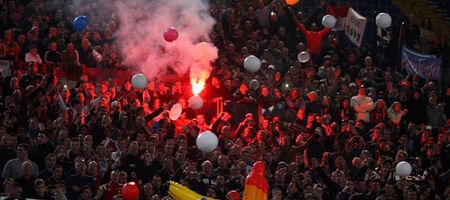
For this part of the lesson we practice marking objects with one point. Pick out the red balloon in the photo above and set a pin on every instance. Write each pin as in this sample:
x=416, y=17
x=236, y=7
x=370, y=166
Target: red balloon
x=171, y=34
x=130, y=191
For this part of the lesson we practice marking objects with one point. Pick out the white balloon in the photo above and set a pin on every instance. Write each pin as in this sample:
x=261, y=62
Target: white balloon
x=207, y=141
x=175, y=112
x=403, y=168
x=383, y=20
x=195, y=102
x=139, y=81
x=329, y=21
x=303, y=57
x=252, y=63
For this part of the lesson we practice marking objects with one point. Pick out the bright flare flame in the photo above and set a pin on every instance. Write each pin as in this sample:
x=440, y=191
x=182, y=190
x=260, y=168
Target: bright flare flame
x=198, y=81
x=197, y=86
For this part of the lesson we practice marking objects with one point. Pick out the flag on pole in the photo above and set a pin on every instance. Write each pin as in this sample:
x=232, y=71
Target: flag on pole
x=421, y=64
x=355, y=24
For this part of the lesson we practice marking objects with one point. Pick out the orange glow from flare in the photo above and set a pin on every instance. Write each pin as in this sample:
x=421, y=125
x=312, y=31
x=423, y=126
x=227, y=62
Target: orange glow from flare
x=197, y=86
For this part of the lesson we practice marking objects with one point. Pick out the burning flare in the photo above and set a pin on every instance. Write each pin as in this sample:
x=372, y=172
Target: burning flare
x=198, y=79
x=197, y=86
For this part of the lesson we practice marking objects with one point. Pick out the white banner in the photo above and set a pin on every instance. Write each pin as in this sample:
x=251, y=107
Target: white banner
x=355, y=25
x=4, y=68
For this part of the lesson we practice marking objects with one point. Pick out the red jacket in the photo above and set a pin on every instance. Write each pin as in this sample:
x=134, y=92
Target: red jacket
x=313, y=39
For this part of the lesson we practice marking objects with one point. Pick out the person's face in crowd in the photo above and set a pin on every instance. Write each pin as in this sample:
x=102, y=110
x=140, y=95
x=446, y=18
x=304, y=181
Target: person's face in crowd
x=200, y=119
x=50, y=161
x=133, y=149
x=360, y=186
x=8, y=36
x=375, y=187
x=21, y=39
x=389, y=190
x=432, y=101
x=122, y=144
x=243, y=88
x=88, y=141
x=57, y=172
x=157, y=181
x=81, y=97
x=53, y=47
x=162, y=87
x=27, y=168
x=123, y=178
x=350, y=185
x=42, y=138
x=338, y=177
x=215, y=82
x=441, y=138
x=34, y=51
x=286, y=141
x=93, y=168
x=318, y=192
x=86, y=194
x=312, y=97
x=277, y=76
x=148, y=189
x=265, y=92
x=280, y=175
x=128, y=86
x=211, y=193
x=14, y=83
x=223, y=161
x=277, y=92
x=157, y=103
x=380, y=105
x=292, y=188
x=311, y=118
x=362, y=91
x=226, y=131
x=53, y=32
x=34, y=124
x=75, y=145
x=70, y=48
x=397, y=107
x=22, y=153
x=248, y=25
x=248, y=134
x=80, y=167
x=6, y=141
x=103, y=88
x=314, y=27
x=368, y=61
x=206, y=167
x=40, y=189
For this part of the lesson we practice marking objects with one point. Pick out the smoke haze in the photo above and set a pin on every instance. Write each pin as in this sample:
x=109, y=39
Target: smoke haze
x=139, y=37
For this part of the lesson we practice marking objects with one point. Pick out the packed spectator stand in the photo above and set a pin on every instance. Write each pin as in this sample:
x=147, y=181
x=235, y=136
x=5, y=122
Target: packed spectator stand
x=332, y=128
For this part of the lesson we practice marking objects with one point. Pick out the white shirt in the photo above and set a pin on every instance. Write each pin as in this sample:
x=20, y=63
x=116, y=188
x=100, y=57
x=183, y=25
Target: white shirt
x=33, y=58
x=362, y=105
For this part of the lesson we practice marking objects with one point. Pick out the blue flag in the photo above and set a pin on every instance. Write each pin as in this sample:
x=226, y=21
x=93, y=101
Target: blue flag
x=421, y=64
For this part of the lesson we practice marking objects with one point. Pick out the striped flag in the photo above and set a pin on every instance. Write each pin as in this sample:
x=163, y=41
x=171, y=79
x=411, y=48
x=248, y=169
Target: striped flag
x=421, y=64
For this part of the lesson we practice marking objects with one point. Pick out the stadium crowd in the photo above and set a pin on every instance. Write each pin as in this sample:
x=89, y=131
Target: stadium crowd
x=332, y=128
